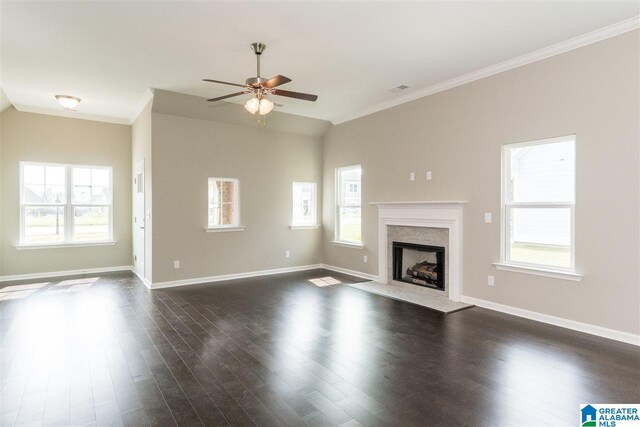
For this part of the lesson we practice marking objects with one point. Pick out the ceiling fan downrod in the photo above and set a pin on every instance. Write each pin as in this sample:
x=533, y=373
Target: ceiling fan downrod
x=257, y=48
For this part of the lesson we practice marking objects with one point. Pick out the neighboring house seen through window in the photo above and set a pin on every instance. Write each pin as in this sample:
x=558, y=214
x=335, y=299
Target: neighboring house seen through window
x=539, y=203
x=304, y=204
x=348, y=205
x=62, y=204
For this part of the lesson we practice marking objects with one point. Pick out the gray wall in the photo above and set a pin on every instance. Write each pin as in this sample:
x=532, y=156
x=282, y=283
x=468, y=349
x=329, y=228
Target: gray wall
x=186, y=152
x=44, y=138
x=457, y=134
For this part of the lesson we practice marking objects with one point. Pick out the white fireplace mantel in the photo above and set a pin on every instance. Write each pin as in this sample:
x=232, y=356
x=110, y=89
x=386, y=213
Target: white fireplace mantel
x=434, y=214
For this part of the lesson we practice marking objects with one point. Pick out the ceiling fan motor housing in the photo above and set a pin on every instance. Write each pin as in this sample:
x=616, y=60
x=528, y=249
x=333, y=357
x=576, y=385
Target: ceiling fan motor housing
x=261, y=87
x=255, y=81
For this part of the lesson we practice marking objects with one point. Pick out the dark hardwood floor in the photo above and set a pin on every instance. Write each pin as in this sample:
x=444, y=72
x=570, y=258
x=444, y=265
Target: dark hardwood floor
x=278, y=350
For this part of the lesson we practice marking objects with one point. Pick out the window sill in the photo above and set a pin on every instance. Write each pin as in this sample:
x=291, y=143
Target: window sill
x=66, y=245
x=557, y=274
x=348, y=244
x=223, y=229
x=304, y=227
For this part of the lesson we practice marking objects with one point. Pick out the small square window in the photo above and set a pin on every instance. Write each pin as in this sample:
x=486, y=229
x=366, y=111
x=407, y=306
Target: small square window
x=304, y=204
x=224, y=201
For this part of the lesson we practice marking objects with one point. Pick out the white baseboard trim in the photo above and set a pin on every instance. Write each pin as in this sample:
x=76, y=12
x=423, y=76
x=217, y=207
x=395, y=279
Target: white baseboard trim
x=350, y=272
x=142, y=279
x=556, y=321
x=199, y=280
x=222, y=277
x=65, y=273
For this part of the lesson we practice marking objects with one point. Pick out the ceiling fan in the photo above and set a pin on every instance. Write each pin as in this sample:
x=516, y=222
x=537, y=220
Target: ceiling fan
x=261, y=88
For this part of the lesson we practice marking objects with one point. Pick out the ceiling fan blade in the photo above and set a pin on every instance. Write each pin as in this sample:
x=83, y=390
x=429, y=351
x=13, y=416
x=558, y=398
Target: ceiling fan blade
x=220, y=98
x=276, y=81
x=297, y=95
x=224, y=83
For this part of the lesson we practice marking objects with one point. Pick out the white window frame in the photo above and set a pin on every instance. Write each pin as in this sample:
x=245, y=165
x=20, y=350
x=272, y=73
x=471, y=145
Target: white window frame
x=313, y=223
x=235, y=226
x=338, y=183
x=507, y=204
x=68, y=208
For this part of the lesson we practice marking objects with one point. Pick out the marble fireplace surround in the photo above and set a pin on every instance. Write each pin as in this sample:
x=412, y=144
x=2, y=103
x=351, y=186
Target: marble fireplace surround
x=431, y=214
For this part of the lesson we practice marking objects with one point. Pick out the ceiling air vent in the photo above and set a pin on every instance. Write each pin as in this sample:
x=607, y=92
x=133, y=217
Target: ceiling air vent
x=399, y=88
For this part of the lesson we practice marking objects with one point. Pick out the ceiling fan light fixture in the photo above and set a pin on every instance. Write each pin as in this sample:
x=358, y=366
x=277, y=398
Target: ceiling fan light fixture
x=260, y=89
x=265, y=106
x=252, y=105
x=68, y=102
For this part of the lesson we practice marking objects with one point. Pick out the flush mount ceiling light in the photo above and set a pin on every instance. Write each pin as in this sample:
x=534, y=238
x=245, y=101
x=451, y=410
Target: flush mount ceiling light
x=68, y=102
x=261, y=88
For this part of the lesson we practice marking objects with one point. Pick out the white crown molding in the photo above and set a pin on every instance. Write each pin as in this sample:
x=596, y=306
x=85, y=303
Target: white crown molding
x=4, y=101
x=142, y=103
x=71, y=114
x=48, y=274
x=146, y=97
x=556, y=321
x=538, y=55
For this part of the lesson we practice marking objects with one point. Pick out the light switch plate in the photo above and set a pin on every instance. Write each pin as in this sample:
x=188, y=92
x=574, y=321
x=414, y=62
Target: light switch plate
x=491, y=280
x=412, y=176
x=176, y=264
x=429, y=176
x=487, y=217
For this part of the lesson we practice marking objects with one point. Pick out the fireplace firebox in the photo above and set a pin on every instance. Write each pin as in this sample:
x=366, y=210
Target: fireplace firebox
x=421, y=265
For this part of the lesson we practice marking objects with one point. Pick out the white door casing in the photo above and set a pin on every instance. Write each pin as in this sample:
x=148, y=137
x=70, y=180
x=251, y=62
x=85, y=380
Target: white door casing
x=139, y=220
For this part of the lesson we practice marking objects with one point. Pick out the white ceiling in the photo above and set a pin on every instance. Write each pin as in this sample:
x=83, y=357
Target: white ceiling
x=349, y=53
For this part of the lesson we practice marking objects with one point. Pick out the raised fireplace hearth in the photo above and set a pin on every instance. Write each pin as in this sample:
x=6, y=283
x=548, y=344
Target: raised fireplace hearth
x=421, y=265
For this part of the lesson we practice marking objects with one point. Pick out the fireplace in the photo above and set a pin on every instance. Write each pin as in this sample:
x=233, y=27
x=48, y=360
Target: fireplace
x=435, y=223
x=421, y=265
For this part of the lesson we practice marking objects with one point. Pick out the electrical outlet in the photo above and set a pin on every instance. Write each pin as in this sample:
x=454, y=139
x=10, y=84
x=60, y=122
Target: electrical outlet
x=428, y=175
x=490, y=280
x=176, y=264
x=412, y=176
x=287, y=254
x=365, y=259
x=487, y=217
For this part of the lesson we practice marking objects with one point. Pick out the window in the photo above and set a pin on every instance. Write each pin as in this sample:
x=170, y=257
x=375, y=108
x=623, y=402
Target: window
x=224, y=211
x=65, y=204
x=539, y=203
x=348, y=209
x=304, y=204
